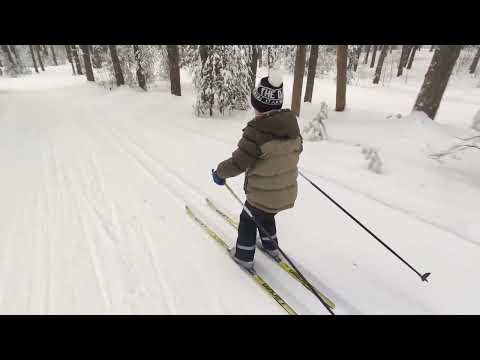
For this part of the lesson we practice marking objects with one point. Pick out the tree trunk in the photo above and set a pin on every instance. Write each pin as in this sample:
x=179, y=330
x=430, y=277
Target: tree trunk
x=298, y=78
x=312, y=67
x=432, y=47
x=117, y=69
x=365, y=61
x=77, y=59
x=253, y=66
x=412, y=56
x=436, y=79
x=203, y=50
x=374, y=55
x=268, y=56
x=473, y=67
x=39, y=57
x=173, y=64
x=14, y=51
x=69, y=57
x=140, y=76
x=33, y=58
x=1, y=65
x=381, y=59
x=342, y=58
x=358, y=52
x=53, y=55
x=260, y=55
x=45, y=50
x=403, y=59
x=7, y=51
x=87, y=62
x=407, y=55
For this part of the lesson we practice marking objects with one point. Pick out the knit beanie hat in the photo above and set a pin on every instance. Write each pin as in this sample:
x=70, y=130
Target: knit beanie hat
x=268, y=95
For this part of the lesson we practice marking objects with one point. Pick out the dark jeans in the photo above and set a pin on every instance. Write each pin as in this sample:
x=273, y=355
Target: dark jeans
x=247, y=232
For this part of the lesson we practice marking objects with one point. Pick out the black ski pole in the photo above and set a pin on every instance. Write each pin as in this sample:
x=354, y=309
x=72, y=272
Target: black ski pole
x=310, y=286
x=423, y=277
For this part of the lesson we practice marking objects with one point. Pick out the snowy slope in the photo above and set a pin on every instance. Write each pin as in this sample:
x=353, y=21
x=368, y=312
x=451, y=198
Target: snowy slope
x=95, y=183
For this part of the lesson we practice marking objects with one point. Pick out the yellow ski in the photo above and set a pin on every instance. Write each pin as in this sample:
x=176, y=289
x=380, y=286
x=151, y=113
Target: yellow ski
x=285, y=266
x=257, y=278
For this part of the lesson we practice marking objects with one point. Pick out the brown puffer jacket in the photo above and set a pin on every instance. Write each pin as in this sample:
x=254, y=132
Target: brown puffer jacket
x=268, y=153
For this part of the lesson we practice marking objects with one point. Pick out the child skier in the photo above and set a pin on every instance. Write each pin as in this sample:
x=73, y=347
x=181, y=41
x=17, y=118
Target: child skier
x=268, y=153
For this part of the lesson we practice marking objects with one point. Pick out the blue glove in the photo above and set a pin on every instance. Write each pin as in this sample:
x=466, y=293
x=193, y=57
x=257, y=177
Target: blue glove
x=217, y=179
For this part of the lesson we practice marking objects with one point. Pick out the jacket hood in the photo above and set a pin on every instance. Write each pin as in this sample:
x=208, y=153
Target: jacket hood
x=280, y=123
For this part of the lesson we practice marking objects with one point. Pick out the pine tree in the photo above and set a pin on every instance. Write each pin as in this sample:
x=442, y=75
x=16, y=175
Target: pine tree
x=173, y=61
x=53, y=55
x=39, y=57
x=69, y=57
x=473, y=67
x=76, y=57
x=312, y=67
x=381, y=59
x=298, y=78
x=140, y=75
x=222, y=79
x=87, y=62
x=204, y=81
x=33, y=58
x=233, y=77
x=436, y=79
x=117, y=69
x=374, y=55
x=342, y=58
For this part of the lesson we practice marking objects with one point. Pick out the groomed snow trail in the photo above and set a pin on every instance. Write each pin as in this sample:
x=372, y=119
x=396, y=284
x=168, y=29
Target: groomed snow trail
x=91, y=224
x=93, y=221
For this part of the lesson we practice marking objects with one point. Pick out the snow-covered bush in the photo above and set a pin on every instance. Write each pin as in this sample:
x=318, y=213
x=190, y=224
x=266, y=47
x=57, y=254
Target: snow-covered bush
x=375, y=164
x=222, y=82
x=476, y=121
x=315, y=130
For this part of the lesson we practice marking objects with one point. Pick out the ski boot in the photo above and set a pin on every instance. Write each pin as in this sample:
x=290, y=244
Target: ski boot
x=275, y=253
x=248, y=265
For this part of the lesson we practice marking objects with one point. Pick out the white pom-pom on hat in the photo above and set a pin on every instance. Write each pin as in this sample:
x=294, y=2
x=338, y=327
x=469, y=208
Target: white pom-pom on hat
x=275, y=78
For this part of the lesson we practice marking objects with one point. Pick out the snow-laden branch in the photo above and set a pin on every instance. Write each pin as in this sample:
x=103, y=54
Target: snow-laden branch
x=474, y=144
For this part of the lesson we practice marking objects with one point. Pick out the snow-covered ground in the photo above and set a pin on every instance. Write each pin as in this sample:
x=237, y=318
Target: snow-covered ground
x=95, y=182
